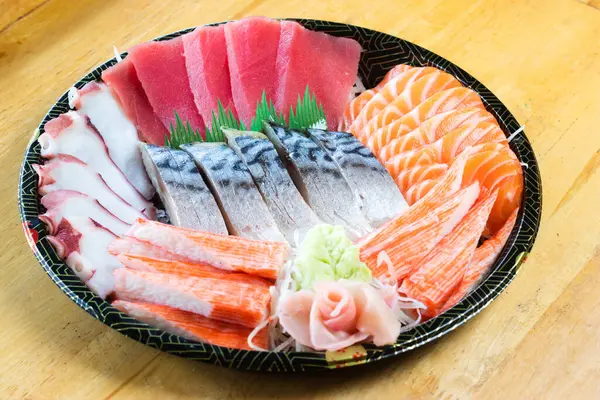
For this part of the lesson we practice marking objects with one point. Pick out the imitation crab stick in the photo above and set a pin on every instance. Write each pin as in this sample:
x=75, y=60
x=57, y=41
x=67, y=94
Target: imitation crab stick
x=354, y=107
x=483, y=259
x=409, y=244
x=442, y=270
x=192, y=326
x=433, y=129
x=216, y=298
x=184, y=269
x=260, y=258
x=449, y=184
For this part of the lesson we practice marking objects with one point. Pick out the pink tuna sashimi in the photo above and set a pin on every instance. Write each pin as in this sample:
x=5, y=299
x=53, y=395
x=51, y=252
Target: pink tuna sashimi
x=98, y=103
x=161, y=69
x=327, y=64
x=252, y=53
x=208, y=72
x=123, y=80
x=83, y=243
x=67, y=203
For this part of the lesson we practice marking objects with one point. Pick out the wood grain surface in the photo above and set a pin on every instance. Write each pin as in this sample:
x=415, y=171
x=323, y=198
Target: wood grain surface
x=540, y=339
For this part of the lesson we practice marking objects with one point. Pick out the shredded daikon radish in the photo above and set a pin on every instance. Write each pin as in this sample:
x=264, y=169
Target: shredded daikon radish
x=515, y=133
x=255, y=331
x=117, y=54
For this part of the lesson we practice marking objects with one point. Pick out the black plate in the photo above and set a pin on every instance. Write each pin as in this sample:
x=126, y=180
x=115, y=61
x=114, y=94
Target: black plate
x=382, y=52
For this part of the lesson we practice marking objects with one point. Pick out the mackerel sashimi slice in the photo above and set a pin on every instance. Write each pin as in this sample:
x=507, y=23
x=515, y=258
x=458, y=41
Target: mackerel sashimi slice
x=327, y=64
x=192, y=326
x=187, y=200
x=208, y=72
x=251, y=55
x=291, y=213
x=242, y=206
x=319, y=179
x=161, y=69
x=367, y=177
x=123, y=80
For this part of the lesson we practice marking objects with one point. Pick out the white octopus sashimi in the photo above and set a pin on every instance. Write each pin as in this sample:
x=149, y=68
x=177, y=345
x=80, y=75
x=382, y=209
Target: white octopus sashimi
x=83, y=244
x=70, y=134
x=69, y=173
x=67, y=203
x=97, y=102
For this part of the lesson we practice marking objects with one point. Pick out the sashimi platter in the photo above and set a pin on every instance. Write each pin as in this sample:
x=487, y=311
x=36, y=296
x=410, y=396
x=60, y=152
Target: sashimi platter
x=280, y=195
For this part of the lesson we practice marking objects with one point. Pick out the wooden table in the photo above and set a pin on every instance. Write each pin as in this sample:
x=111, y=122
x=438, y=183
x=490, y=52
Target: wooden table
x=540, y=339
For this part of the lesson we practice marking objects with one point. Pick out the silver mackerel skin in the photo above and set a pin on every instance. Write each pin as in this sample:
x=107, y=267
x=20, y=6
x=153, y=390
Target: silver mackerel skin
x=244, y=209
x=319, y=180
x=291, y=213
x=368, y=178
x=186, y=198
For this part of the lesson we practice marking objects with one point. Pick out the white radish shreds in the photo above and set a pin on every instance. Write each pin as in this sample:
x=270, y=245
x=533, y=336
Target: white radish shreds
x=515, y=133
x=255, y=332
x=357, y=89
x=73, y=97
x=117, y=54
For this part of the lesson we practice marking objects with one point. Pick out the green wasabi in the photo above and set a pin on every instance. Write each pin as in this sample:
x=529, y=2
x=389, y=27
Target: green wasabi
x=328, y=254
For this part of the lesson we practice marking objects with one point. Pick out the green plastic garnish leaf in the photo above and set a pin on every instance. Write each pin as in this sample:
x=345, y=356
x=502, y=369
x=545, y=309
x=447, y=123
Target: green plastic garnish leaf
x=308, y=113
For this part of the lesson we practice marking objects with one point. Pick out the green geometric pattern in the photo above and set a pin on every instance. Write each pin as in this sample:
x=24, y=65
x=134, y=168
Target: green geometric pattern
x=382, y=52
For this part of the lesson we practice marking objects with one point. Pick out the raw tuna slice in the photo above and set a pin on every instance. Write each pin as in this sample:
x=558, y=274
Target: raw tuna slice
x=206, y=61
x=327, y=64
x=252, y=53
x=161, y=69
x=122, y=79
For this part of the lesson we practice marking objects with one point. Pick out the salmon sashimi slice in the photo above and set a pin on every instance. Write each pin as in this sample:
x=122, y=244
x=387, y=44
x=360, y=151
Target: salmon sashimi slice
x=192, y=326
x=442, y=270
x=447, y=186
x=405, y=248
x=388, y=94
x=494, y=165
x=410, y=177
x=255, y=257
x=406, y=161
x=446, y=148
x=483, y=260
x=226, y=300
x=416, y=192
x=186, y=269
x=354, y=107
x=433, y=129
x=413, y=95
x=452, y=99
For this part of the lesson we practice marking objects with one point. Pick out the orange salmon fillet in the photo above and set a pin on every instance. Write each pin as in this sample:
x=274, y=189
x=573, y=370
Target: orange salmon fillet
x=260, y=258
x=413, y=95
x=192, y=326
x=389, y=94
x=483, y=259
x=416, y=192
x=354, y=107
x=408, y=245
x=418, y=174
x=433, y=129
x=494, y=165
x=225, y=300
x=446, y=148
x=442, y=270
x=452, y=99
x=187, y=269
